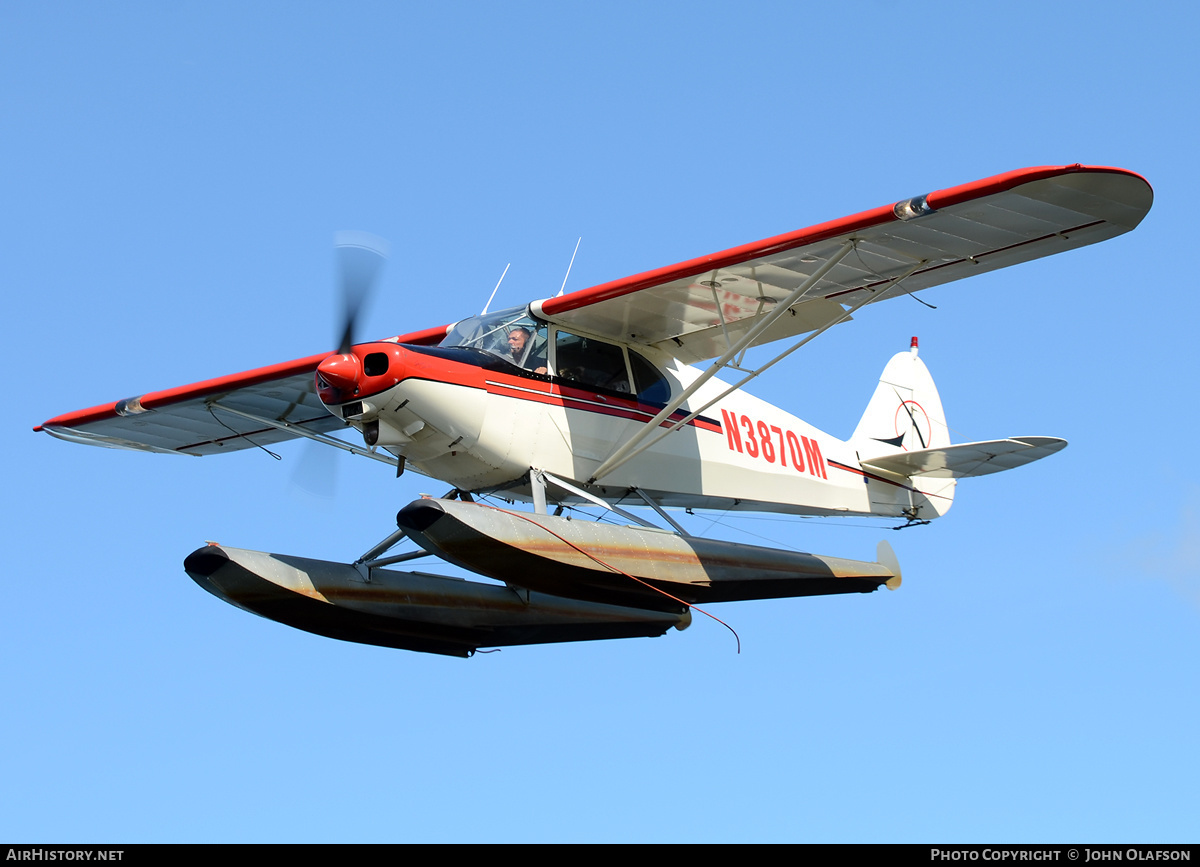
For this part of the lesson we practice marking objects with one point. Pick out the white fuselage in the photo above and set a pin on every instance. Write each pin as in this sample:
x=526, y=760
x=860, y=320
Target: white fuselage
x=484, y=428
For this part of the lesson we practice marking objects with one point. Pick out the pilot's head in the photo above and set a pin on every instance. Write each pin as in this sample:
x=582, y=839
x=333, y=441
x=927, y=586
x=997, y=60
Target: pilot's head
x=517, y=338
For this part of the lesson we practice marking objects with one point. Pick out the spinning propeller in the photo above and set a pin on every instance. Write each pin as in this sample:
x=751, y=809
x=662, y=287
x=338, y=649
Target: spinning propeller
x=360, y=258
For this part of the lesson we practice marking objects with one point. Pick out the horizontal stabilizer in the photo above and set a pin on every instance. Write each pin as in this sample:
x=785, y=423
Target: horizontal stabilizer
x=967, y=459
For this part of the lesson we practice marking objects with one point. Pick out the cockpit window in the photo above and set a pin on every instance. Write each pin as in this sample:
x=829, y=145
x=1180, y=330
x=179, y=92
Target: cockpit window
x=513, y=336
x=651, y=385
x=590, y=362
x=507, y=334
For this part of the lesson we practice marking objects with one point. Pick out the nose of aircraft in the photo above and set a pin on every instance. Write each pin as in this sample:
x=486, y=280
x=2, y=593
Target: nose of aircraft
x=367, y=370
x=342, y=372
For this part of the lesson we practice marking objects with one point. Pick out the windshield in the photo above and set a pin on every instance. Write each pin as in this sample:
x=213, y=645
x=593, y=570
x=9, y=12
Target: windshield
x=508, y=334
x=515, y=337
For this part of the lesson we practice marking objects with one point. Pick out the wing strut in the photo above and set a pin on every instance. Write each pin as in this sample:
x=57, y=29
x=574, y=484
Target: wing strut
x=544, y=478
x=304, y=432
x=631, y=447
x=751, y=374
x=661, y=512
x=626, y=454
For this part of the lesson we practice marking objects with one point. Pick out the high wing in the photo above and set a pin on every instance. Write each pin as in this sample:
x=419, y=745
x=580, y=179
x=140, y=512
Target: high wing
x=698, y=309
x=780, y=287
x=255, y=408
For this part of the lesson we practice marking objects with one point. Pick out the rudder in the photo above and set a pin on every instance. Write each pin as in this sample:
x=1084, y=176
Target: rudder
x=905, y=412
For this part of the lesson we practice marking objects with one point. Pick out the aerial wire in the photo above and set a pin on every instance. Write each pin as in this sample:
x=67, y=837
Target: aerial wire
x=613, y=568
x=208, y=407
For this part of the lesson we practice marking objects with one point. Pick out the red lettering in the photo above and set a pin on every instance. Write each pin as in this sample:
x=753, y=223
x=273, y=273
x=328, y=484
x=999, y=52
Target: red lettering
x=782, y=453
x=751, y=442
x=731, y=431
x=764, y=436
x=816, y=463
x=759, y=443
x=797, y=454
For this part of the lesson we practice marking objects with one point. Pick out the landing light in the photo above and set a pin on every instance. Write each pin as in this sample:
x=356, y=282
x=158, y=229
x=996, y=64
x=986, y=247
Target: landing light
x=910, y=209
x=129, y=406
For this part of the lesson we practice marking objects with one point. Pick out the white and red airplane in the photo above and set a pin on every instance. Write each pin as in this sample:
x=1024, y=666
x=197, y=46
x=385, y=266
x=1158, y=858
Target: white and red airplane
x=593, y=397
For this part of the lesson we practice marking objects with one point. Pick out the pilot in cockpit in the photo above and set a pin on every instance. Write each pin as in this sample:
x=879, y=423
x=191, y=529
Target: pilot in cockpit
x=520, y=346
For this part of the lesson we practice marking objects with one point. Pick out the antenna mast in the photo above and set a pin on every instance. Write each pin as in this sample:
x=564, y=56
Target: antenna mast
x=568, y=274
x=494, y=291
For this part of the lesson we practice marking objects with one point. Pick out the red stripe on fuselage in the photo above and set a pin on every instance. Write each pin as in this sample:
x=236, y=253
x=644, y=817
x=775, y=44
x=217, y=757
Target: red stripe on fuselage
x=590, y=401
x=873, y=477
x=434, y=368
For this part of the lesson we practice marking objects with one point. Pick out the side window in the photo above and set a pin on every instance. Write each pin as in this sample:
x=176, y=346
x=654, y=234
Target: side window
x=650, y=384
x=590, y=362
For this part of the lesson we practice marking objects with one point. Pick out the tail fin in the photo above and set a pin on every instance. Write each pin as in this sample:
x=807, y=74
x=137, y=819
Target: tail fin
x=903, y=439
x=905, y=413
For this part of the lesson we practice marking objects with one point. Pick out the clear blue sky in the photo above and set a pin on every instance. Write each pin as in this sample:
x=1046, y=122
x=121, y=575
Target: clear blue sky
x=172, y=178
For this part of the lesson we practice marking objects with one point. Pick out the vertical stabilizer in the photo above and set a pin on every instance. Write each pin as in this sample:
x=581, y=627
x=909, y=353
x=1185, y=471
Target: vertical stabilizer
x=905, y=413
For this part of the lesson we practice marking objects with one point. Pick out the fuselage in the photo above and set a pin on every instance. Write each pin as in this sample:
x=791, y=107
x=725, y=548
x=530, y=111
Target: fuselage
x=480, y=421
